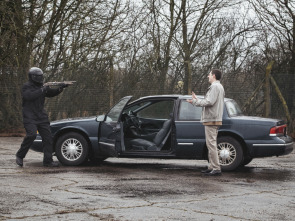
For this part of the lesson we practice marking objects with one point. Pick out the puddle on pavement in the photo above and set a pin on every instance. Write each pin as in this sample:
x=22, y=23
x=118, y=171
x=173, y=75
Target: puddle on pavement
x=266, y=174
x=248, y=173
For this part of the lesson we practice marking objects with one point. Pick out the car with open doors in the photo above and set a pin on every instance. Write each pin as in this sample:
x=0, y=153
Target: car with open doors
x=166, y=126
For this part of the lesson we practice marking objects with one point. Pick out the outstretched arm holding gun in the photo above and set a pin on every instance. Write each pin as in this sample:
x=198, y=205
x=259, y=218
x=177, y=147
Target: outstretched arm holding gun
x=62, y=83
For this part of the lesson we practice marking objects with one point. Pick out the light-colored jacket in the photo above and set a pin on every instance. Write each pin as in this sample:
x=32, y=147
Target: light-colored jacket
x=212, y=104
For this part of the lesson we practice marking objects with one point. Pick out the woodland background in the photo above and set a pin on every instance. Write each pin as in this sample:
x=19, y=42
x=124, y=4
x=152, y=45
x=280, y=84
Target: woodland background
x=114, y=48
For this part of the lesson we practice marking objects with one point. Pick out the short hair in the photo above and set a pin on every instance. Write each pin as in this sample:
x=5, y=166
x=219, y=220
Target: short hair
x=217, y=73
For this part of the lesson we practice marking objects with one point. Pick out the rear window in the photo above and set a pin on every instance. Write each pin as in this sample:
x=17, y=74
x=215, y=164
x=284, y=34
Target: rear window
x=188, y=111
x=233, y=108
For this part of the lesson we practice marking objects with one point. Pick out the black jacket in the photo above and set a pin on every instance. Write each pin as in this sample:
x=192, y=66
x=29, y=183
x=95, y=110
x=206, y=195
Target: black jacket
x=33, y=98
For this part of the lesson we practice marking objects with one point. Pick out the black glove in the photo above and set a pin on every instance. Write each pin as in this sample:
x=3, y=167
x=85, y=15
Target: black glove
x=44, y=89
x=63, y=85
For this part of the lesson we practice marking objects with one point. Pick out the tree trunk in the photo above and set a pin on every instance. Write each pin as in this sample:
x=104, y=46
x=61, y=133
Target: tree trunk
x=111, y=83
x=282, y=99
x=267, y=89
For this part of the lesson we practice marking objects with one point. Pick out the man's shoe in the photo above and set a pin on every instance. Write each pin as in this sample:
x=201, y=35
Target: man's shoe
x=206, y=171
x=51, y=164
x=19, y=161
x=214, y=173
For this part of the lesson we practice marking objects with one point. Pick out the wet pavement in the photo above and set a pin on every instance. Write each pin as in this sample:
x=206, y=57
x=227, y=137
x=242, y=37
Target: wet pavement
x=143, y=189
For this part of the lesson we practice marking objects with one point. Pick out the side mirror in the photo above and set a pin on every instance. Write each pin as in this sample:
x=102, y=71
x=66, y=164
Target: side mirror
x=100, y=118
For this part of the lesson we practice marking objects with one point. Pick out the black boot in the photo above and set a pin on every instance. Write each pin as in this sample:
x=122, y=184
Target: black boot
x=19, y=161
x=51, y=164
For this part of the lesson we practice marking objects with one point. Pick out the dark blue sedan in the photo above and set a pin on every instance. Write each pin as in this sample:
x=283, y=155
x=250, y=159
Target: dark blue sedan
x=166, y=127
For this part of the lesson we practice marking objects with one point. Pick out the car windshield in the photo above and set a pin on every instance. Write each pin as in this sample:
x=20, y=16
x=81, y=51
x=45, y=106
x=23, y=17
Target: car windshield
x=233, y=108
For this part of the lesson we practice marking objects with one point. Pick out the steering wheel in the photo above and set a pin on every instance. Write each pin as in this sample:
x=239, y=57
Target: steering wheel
x=131, y=120
x=135, y=122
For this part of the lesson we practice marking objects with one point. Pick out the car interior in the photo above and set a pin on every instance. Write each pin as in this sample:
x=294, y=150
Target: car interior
x=147, y=126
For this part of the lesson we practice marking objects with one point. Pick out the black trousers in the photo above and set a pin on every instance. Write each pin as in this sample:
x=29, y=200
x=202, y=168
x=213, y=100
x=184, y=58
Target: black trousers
x=31, y=133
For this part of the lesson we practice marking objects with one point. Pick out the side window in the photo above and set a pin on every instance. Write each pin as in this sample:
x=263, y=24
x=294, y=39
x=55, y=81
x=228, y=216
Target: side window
x=137, y=107
x=233, y=108
x=158, y=110
x=188, y=111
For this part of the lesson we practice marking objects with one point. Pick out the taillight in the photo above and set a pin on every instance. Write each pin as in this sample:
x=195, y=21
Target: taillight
x=278, y=130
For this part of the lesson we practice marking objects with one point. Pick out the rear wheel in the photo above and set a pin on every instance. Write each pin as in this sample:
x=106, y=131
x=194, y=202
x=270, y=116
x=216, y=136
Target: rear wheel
x=72, y=149
x=247, y=160
x=230, y=153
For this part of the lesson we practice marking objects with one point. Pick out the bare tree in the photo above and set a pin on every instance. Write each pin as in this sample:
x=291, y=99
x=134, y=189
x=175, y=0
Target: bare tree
x=61, y=37
x=114, y=48
x=207, y=33
x=278, y=17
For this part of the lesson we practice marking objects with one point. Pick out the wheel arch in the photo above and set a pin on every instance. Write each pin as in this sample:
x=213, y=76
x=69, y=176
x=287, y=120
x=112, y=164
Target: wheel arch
x=237, y=137
x=229, y=134
x=68, y=130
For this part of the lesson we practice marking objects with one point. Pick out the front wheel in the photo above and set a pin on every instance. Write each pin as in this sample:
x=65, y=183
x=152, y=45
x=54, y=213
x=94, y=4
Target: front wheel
x=96, y=160
x=72, y=149
x=230, y=153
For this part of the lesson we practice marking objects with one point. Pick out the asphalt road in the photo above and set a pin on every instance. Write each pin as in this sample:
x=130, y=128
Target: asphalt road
x=143, y=189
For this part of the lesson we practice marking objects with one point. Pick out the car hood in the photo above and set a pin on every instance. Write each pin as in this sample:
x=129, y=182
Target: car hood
x=73, y=120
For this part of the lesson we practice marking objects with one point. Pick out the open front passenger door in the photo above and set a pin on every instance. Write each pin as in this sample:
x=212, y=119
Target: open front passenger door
x=110, y=131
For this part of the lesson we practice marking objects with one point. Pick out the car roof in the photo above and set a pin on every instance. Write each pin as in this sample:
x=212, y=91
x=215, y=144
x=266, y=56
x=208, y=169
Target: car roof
x=171, y=96
x=200, y=96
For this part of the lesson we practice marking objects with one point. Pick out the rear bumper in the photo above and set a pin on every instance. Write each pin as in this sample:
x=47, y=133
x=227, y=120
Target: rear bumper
x=267, y=150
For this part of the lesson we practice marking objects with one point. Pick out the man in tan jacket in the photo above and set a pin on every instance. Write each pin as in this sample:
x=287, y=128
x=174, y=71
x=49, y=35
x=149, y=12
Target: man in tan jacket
x=212, y=104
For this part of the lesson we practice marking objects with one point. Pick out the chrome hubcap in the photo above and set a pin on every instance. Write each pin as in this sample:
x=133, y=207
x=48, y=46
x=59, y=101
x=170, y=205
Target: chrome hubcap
x=227, y=153
x=71, y=149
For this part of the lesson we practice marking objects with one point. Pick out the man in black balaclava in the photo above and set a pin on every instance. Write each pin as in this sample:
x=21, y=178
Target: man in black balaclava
x=35, y=117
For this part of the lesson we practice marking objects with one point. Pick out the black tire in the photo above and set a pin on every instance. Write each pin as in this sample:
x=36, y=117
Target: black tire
x=72, y=149
x=96, y=160
x=230, y=153
x=247, y=160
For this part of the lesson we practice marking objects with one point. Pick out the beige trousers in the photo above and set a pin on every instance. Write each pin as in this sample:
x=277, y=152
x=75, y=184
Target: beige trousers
x=211, y=133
